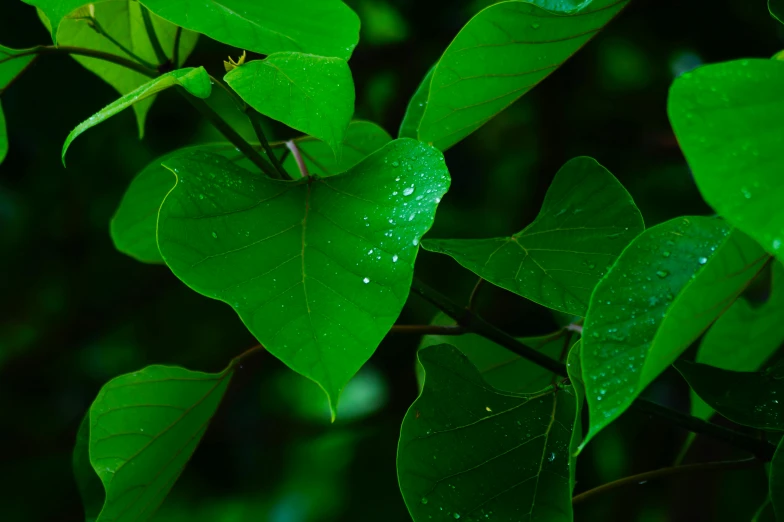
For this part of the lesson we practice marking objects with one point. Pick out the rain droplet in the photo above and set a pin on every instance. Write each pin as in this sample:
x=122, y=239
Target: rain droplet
x=662, y=273
x=408, y=191
x=415, y=242
x=702, y=260
x=666, y=253
x=394, y=258
x=456, y=515
x=214, y=235
x=396, y=164
x=424, y=500
x=366, y=280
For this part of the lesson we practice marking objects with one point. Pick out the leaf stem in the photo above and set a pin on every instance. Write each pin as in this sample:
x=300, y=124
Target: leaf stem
x=154, y=41
x=93, y=22
x=81, y=51
x=255, y=121
x=176, y=51
x=244, y=355
x=303, y=169
x=472, y=298
x=428, y=329
x=641, y=478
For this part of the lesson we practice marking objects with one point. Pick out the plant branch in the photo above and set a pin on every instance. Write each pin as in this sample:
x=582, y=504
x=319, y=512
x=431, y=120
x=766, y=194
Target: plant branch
x=81, y=51
x=428, y=329
x=154, y=41
x=665, y=472
x=255, y=121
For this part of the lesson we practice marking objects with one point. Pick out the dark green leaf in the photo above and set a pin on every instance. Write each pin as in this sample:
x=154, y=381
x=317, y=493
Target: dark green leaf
x=12, y=63
x=416, y=108
x=88, y=483
x=664, y=290
x=501, y=54
x=575, y=371
x=746, y=398
x=322, y=27
x=144, y=427
x=586, y=221
x=744, y=337
x=776, y=8
x=194, y=80
x=728, y=119
x=312, y=94
x=56, y=10
x=318, y=269
x=468, y=451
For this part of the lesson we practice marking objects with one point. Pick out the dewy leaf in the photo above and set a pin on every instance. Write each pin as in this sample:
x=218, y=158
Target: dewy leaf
x=416, y=108
x=87, y=481
x=194, y=80
x=729, y=121
x=144, y=427
x=56, y=10
x=317, y=269
x=362, y=139
x=664, y=290
x=746, y=398
x=468, y=451
x=502, y=53
x=322, y=27
x=312, y=94
x=586, y=221
x=122, y=20
x=743, y=338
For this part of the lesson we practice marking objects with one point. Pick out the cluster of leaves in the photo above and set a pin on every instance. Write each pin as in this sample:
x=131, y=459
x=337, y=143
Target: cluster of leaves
x=316, y=252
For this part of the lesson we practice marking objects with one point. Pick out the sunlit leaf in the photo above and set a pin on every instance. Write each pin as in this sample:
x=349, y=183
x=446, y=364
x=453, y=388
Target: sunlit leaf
x=744, y=337
x=416, y=108
x=471, y=452
x=144, y=427
x=194, y=80
x=585, y=222
x=312, y=94
x=502, y=53
x=728, y=119
x=322, y=27
x=56, y=10
x=664, y=290
x=318, y=269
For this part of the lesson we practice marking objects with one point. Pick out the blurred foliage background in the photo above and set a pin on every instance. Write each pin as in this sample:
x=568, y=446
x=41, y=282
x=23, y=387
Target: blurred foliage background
x=75, y=313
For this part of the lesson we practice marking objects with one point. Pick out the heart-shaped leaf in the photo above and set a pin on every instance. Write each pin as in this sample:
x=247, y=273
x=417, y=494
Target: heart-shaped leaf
x=664, y=290
x=586, y=221
x=318, y=269
x=312, y=94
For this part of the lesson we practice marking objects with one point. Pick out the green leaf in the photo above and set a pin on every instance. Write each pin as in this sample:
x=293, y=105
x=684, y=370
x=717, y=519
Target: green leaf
x=362, y=139
x=502, y=53
x=323, y=27
x=56, y=10
x=416, y=108
x=468, y=451
x=13, y=62
x=194, y=80
x=317, y=269
x=776, y=8
x=144, y=427
x=758, y=331
x=3, y=136
x=777, y=481
x=664, y=290
x=575, y=371
x=586, y=220
x=312, y=94
x=87, y=481
x=122, y=20
x=728, y=119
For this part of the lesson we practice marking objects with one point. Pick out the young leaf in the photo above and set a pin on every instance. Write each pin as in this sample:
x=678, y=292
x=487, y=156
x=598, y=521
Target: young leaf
x=317, y=269
x=144, y=427
x=746, y=398
x=87, y=481
x=586, y=221
x=729, y=119
x=416, y=108
x=502, y=53
x=362, y=139
x=664, y=290
x=322, y=27
x=743, y=338
x=122, y=20
x=194, y=80
x=55, y=11
x=312, y=94
x=468, y=451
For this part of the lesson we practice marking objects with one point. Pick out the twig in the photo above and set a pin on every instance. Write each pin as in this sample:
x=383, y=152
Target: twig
x=156, y=44
x=303, y=169
x=428, y=329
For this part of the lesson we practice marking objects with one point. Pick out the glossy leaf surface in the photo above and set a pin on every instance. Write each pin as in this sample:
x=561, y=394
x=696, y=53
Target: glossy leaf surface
x=122, y=20
x=471, y=452
x=753, y=399
x=664, y=290
x=144, y=427
x=322, y=27
x=586, y=220
x=56, y=10
x=317, y=269
x=194, y=80
x=416, y=108
x=502, y=53
x=743, y=338
x=312, y=94
x=728, y=120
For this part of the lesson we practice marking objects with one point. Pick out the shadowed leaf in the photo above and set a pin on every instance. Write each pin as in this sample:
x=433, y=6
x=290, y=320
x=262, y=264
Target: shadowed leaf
x=55, y=11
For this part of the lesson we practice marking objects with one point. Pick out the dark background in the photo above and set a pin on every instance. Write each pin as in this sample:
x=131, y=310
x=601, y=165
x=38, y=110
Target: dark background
x=75, y=313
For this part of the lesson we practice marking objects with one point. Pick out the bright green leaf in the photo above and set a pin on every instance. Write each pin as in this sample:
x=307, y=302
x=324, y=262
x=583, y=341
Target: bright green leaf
x=728, y=119
x=312, y=94
x=468, y=451
x=13, y=62
x=56, y=10
x=362, y=139
x=322, y=27
x=194, y=80
x=743, y=338
x=416, y=108
x=122, y=20
x=87, y=481
x=144, y=427
x=317, y=269
x=586, y=220
x=502, y=53
x=664, y=290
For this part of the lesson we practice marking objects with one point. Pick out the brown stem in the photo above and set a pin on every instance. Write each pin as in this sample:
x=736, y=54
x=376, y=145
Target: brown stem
x=244, y=355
